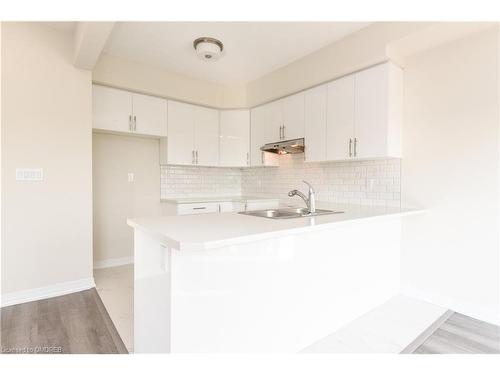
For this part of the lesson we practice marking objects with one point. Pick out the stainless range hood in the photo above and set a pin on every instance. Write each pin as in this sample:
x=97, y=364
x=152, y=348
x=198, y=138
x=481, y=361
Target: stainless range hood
x=292, y=146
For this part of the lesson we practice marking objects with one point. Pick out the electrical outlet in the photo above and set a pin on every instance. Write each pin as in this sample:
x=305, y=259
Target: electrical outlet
x=29, y=174
x=131, y=177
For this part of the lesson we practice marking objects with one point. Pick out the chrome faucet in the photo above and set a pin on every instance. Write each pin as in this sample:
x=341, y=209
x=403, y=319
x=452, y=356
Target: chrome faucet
x=310, y=200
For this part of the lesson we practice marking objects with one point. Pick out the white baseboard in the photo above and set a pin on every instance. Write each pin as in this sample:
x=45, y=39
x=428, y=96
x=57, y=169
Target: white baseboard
x=113, y=262
x=483, y=313
x=49, y=291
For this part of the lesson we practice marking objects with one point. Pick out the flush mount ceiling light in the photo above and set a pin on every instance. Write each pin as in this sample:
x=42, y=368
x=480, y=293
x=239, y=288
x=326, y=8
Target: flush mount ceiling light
x=208, y=49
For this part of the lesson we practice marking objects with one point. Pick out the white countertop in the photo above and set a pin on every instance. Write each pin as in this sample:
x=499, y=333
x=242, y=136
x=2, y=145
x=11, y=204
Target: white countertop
x=209, y=231
x=217, y=199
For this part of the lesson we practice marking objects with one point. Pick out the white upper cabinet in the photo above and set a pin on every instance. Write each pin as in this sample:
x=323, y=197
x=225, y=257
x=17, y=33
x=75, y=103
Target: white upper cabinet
x=234, y=138
x=273, y=117
x=340, y=119
x=315, y=123
x=261, y=133
x=377, y=127
x=111, y=109
x=206, y=136
x=180, y=139
x=293, y=116
x=150, y=115
x=284, y=118
x=364, y=114
x=123, y=111
x=193, y=136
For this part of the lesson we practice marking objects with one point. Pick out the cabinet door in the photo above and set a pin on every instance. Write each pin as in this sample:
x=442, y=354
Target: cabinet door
x=150, y=115
x=340, y=118
x=180, y=139
x=234, y=138
x=259, y=135
x=315, y=123
x=206, y=136
x=111, y=109
x=293, y=116
x=371, y=118
x=273, y=121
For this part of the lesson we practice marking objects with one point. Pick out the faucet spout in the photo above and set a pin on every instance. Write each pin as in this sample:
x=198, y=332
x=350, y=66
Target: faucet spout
x=310, y=200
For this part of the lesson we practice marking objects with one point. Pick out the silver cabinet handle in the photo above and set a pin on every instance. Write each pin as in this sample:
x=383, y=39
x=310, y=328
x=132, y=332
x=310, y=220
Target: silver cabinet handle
x=284, y=136
x=355, y=146
x=262, y=157
x=192, y=157
x=350, y=147
x=135, y=123
x=280, y=132
x=196, y=153
x=199, y=208
x=248, y=158
x=130, y=122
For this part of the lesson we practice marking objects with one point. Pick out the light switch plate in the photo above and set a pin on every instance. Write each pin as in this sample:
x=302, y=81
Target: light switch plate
x=29, y=174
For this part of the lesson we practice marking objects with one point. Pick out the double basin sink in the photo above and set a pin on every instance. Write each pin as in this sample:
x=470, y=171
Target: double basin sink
x=289, y=213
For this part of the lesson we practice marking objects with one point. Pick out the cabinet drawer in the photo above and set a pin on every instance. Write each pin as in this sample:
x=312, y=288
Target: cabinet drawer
x=197, y=208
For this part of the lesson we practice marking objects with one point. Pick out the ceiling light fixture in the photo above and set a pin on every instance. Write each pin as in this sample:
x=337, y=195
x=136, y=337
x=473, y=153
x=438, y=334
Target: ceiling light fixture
x=208, y=49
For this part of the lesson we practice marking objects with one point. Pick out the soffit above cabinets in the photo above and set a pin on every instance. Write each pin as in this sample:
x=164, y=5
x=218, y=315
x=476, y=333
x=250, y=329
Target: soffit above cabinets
x=251, y=49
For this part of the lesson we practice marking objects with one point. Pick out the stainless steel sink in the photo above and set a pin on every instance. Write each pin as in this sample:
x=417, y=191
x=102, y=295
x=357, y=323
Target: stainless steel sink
x=289, y=213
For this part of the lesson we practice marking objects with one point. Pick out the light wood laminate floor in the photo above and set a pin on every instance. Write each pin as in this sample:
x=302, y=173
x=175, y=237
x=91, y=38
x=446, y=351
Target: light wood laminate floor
x=461, y=334
x=73, y=323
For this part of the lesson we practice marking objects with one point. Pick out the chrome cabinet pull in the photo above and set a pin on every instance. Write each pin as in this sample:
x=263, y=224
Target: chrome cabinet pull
x=262, y=157
x=355, y=146
x=192, y=157
x=199, y=208
x=281, y=128
x=196, y=153
x=284, y=136
x=135, y=123
x=350, y=147
x=248, y=158
x=130, y=122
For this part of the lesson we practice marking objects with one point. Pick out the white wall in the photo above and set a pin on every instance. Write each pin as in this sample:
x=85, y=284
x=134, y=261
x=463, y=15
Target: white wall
x=115, y=198
x=450, y=165
x=1, y=167
x=126, y=74
x=359, y=50
x=46, y=123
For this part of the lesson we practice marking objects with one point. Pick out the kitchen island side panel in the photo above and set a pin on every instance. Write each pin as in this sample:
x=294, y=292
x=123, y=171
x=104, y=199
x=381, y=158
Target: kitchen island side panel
x=282, y=294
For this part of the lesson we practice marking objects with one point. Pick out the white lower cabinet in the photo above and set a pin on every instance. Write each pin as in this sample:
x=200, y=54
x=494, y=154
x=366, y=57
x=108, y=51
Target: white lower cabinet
x=174, y=208
x=197, y=208
x=231, y=207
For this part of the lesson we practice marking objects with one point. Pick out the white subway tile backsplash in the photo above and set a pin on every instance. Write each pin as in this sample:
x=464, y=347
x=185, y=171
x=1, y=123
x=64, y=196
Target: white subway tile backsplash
x=367, y=182
x=180, y=181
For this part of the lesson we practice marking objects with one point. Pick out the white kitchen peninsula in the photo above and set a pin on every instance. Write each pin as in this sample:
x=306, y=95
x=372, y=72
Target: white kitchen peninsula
x=237, y=283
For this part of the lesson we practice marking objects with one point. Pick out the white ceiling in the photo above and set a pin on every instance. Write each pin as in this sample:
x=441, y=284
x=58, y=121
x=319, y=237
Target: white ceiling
x=251, y=49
